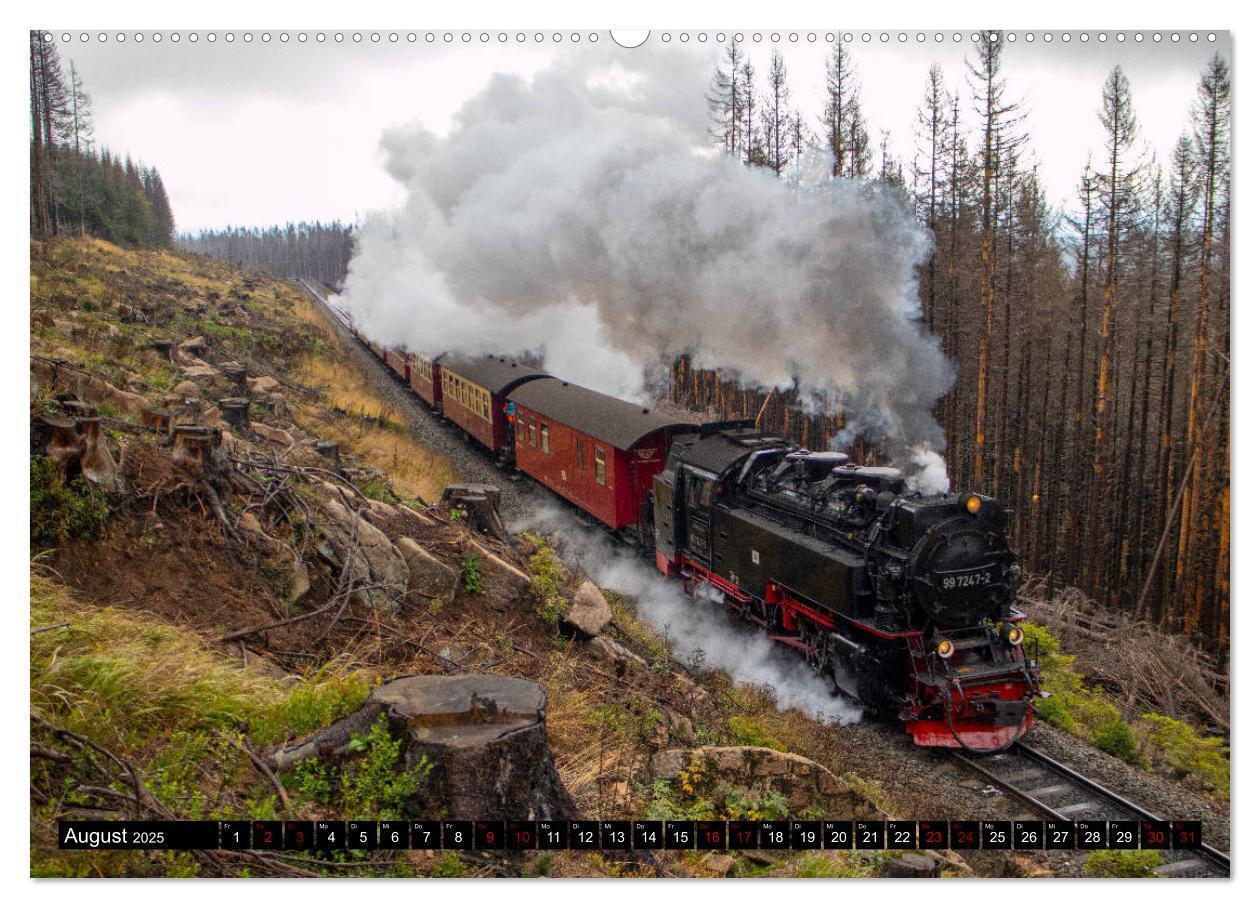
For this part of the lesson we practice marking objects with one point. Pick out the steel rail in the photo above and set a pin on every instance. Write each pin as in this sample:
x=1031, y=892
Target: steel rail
x=1204, y=852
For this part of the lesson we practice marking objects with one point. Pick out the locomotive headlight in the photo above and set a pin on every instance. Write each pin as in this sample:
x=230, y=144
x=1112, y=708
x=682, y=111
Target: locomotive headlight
x=1013, y=634
x=945, y=649
x=970, y=502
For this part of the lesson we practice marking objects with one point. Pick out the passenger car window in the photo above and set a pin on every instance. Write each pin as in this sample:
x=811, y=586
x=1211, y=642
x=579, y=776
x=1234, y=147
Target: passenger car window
x=601, y=471
x=546, y=439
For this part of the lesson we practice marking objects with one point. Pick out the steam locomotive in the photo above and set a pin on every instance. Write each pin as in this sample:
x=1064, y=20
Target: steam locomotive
x=903, y=601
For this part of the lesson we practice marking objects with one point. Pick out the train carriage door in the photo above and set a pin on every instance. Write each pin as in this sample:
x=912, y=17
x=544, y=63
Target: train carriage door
x=698, y=497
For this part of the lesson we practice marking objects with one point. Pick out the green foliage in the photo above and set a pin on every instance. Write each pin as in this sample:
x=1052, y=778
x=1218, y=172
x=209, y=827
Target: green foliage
x=1178, y=745
x=313, y=780
x=742, y=804
x=547, y=579
x=1126, y=864
x=815, y=866
x=1072, y=705
x=377, y=489
x=749, y=732
x=309, y=705
x=470, y=576
x=63, y=510
x=448, y=866
x=1116, y=738
x=371, y=783
x=375, y=784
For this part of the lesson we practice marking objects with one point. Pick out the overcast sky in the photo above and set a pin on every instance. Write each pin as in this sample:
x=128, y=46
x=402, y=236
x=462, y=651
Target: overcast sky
x=262, y=133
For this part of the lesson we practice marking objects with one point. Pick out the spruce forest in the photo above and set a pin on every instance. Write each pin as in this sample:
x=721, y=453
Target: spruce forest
x=78, y=189
x=1092, y=346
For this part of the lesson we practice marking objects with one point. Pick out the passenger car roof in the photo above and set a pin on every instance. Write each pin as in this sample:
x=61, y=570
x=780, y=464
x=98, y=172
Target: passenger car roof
x=497, y=374
x=618, y=422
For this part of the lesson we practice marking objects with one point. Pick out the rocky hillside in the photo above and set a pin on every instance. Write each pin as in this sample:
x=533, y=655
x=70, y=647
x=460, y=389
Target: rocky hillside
x=238, y=540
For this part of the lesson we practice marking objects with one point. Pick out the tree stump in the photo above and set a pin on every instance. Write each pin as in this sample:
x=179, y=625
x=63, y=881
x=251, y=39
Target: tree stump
x=164, y=348
x=482, y=504
x=65, y=446
x=235, y=412
x=485, y=736
x=97, y=463
x=235, y=373
x=332, y=451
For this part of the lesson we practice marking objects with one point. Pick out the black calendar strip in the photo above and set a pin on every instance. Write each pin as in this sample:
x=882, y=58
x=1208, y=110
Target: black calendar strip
x=626, y=835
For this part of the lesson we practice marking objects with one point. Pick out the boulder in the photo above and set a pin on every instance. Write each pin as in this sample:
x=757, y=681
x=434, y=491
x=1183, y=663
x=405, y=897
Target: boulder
x=800, y=780
x=375, y=561
x=187, y=388
x=588, y=613
x=278, y=438
x=262, y=384
x=430, y=577
x=502, y=581
x=280, y=552
x=912, y=866
x=196, y=368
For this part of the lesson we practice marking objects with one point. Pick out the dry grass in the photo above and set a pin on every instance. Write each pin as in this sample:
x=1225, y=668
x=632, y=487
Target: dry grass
x=367, y=427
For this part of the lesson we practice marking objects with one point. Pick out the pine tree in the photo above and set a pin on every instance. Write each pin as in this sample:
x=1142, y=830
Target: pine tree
x=776, y=118
x=726, y=101
x=998, y=119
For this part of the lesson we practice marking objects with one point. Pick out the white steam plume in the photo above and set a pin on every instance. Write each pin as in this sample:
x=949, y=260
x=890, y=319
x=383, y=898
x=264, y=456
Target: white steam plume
x=584, y=215
x=927, y=471
x=689, y=624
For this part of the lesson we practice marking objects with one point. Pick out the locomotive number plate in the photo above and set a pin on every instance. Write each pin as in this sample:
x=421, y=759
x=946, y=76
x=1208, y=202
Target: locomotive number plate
x=972, y=578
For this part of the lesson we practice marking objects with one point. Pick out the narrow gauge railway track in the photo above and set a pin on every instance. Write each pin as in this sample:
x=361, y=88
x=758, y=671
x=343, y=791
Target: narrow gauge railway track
x=1058, y=792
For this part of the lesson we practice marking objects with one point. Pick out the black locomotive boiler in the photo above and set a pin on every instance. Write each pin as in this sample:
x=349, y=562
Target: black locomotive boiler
x=903, y=601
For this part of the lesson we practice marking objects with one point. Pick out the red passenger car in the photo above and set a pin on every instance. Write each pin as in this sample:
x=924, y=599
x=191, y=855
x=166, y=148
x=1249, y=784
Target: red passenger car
x=400, y=361
x=474, y=395
x=594, y=450
x=426, y=379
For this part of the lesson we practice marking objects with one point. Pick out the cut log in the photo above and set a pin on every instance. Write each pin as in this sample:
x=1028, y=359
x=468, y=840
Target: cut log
x=164, y=348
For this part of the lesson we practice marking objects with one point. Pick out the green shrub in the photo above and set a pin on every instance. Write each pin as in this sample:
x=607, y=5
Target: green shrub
x=448, y=865
x=470, y=576
x=1127, y=864
x=370, y=783
x=374, y=784
x=547, y=579
x=1116, y=738
x=1178, y=745
x=377, y=489
x=63, y=510
x=748, y=732
x=1054, y=710
x=825, y=866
